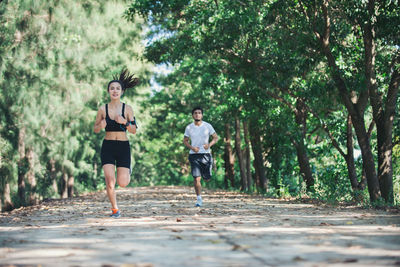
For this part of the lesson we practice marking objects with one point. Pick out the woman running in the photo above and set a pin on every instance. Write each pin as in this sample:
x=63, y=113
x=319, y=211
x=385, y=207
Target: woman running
x=116, y=117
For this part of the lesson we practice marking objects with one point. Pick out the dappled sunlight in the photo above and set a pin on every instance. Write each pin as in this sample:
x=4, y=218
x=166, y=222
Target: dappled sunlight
x=161, y=224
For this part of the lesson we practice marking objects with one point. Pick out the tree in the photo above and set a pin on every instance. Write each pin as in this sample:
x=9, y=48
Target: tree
x=55, y=72
x=356, y=48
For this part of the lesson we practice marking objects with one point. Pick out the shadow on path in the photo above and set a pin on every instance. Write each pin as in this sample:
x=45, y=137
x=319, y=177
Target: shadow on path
x=161, y=227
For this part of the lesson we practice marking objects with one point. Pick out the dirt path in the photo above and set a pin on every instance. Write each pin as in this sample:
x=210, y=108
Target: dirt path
x=161, y=227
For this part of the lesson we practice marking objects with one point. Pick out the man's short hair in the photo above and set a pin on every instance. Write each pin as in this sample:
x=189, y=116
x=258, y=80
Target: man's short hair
x=197, y=108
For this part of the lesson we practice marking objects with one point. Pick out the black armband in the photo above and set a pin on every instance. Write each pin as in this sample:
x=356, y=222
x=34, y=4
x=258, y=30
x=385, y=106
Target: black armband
x=134, y=122
x=131, y=123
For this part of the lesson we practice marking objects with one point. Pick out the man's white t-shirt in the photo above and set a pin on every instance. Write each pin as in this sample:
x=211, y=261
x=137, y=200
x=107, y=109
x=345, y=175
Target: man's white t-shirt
x=199, y=135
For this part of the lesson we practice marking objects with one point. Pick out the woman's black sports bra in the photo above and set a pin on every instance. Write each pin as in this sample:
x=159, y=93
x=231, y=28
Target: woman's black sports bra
x=112, y=125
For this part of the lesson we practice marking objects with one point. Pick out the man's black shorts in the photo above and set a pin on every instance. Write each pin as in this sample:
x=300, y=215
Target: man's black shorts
x=201, y=165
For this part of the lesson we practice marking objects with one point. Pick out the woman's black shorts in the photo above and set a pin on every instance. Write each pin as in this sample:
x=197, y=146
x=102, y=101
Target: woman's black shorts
x=201, y=165
x=116, y=152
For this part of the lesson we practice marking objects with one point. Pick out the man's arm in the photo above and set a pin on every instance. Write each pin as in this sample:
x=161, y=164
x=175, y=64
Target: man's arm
x=213, y=141
x=186, y=143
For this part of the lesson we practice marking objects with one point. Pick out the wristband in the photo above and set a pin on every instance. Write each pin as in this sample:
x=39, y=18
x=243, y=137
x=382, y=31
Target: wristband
x=134, y=122
x=131, y=123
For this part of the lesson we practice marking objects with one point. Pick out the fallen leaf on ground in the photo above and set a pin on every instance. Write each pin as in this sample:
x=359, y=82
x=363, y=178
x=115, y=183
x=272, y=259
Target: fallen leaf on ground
x=240, y=247
x=236, y=247
x=350, y=260
x=216, y=241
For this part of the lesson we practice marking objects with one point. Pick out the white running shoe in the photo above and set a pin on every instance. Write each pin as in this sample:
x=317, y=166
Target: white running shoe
x=199, y=203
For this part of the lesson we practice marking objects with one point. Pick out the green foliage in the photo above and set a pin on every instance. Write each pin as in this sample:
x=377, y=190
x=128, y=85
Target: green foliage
x=53, y=72
x=256, y=60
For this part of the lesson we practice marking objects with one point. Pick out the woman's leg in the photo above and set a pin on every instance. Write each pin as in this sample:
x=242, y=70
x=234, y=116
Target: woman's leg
x=123, y=176
x=109, y=173
x=124, y=164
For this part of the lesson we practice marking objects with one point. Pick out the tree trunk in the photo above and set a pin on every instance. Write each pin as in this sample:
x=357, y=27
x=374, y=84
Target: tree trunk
x=71, y=181
x=5, y=198
x=255, y=139
x=239, y=154
x=304, y=162
x=356, y=110
x=32, y=195
x=384, y=126
x=351, y=169
x=385, y=168
x=383, y=115
x=362, y=183
x=247, y=153
x=367, y=157
x=64, y=184
x=384, y=135
x=21, y=166
x=7, y=202
x=229, y=158
x=53, y=175
x=300, y=111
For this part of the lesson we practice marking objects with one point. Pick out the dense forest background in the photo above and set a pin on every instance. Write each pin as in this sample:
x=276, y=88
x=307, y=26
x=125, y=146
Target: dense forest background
x=302, y=93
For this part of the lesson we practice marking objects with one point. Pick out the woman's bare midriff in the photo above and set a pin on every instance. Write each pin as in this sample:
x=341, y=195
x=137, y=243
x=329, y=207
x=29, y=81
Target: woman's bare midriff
x=120, y=136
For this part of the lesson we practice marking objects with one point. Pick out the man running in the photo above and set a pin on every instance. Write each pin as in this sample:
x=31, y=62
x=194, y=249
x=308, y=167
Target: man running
x=200, y=157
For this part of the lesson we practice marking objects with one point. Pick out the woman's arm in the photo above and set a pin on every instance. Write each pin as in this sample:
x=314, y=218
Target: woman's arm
x=100, y=122
x=131, y=127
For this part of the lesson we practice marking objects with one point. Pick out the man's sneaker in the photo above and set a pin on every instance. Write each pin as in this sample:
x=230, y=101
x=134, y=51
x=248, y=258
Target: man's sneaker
x=199, y=203
x=116, y=214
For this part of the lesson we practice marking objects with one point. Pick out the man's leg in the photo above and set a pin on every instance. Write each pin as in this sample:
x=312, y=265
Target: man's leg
x=197, y=185
x=196, y=173
x=197, y=188
x=205, y=168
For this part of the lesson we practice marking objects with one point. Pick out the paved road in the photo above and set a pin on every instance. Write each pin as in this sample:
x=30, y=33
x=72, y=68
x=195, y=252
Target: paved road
x=161, y=227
